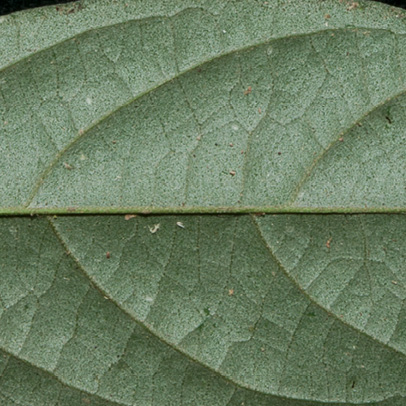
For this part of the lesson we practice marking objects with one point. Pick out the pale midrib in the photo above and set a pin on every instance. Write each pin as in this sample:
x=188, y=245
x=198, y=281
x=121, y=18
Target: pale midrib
x=84, y=132
x=238, y=385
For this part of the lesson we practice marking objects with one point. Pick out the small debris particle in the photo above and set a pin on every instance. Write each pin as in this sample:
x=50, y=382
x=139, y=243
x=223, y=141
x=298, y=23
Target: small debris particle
x=242, y=152
x=108, y=254
x=180, y=224
x=199, y=137
x=262, y=349
x=259, y=214
x=231, y=144
x=231, y=292
x=154, y=229
x=81, y=131
x=232, y=173
x=341, y=139
x=328, y=242
x=114, y=142
x=248, y=91
x=129, y=216
x=327, y=16
x=67, y=166
x=88, y=101
x=395, y=282
x=279, y=153
x=71, y=209
x=259, y=110
x=353, y=6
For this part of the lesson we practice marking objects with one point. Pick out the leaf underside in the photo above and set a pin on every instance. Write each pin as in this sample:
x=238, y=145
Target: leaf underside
x=187, y=110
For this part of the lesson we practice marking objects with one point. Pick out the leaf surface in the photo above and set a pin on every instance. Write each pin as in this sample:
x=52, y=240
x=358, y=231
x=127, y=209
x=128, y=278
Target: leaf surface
x=187, y=110
x=210, y=106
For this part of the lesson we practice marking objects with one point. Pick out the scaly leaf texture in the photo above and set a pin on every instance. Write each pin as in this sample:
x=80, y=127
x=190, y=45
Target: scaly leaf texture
x=186, y=110
x=203, y=106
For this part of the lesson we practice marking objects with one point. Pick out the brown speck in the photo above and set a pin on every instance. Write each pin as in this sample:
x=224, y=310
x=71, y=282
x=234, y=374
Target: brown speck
x=67, y=166
x=232, y=173
x=248, y=91
x=108, y=255
x=199, y=137
x=242, y=152
x=114, y=142
x=259, y=110
x=71, y=209
x=395, y=282
x=231, y=144
x=279, y=153
x=129, y=216
x=261, y=214
x=81, y=131
x=341, y=139
x=231, y=292
x=327, y=16
x=328, y=242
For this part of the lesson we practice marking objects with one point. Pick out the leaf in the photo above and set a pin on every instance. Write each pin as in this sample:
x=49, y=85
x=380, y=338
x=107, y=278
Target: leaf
x=111, y=107
x=187, y=110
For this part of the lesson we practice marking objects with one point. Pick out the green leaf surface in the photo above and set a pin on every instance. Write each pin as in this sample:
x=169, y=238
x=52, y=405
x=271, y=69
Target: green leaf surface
x=223, y=310
x=187, y=109
x=202, y=106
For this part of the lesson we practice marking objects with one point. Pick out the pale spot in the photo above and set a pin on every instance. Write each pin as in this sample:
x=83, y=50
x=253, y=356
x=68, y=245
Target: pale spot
x=2, y=19
x=82, y=157
x=154, y=229
x=88, y=101
x=235, y=127
x=149, y=299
